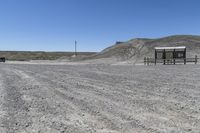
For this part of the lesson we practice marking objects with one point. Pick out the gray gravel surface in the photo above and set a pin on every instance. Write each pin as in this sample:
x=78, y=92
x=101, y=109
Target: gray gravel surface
x=99, y=98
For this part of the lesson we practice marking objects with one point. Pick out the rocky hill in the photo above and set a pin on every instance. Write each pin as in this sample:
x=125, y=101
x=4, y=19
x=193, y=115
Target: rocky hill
x=136, y=49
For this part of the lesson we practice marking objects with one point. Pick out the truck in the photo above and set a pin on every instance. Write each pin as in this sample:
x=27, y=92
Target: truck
x=2, y=59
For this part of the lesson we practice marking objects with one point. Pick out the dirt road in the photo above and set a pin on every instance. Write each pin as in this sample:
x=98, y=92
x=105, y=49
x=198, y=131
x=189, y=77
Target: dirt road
x=99, y=98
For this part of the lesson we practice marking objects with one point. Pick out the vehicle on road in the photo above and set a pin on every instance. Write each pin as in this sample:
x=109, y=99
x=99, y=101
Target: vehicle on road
x=2, y=59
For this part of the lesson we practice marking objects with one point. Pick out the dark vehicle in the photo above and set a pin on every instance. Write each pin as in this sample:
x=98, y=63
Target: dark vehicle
x=2, y=59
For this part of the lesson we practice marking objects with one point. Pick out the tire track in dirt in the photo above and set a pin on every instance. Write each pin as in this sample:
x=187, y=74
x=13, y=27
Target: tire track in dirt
x=16, y=119
x=82, y=105
x=71, y=99
x=139, y=101
x=47, y=109
x=112, y=117
x=168, y=109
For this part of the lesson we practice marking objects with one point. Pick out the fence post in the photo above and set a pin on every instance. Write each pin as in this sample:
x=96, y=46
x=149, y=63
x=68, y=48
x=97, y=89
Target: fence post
x=195, y=59
x=145, y=61
x=184, y=60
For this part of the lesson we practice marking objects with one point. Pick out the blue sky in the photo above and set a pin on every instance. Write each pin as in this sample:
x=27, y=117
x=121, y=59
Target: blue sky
x=54, y=25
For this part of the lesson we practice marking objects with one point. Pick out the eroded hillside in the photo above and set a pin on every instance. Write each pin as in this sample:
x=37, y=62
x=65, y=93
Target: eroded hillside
x=136, y=49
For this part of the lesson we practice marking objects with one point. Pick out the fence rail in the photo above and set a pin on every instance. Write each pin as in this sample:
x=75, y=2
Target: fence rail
x=148, y=61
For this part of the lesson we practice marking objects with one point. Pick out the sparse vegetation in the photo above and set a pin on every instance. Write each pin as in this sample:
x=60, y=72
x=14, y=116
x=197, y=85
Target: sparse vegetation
x=27, y=55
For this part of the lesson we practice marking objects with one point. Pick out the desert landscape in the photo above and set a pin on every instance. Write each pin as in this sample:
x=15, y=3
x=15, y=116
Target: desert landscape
x=107, y=92
x=102, y=98
x=99, y=66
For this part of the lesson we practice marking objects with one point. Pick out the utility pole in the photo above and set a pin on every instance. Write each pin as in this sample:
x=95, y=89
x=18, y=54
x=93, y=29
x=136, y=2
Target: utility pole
x=75, y=52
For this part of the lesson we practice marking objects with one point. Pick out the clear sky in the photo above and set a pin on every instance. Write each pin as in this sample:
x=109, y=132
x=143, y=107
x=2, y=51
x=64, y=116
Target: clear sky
x=54, y=25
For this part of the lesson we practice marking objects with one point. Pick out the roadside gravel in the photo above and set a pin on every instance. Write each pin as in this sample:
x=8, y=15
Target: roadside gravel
x=99, y=98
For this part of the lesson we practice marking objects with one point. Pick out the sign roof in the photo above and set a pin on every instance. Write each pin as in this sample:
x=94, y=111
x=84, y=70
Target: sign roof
x=170, y=48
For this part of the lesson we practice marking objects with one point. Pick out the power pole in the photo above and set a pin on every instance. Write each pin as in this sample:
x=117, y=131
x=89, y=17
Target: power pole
x=75, y=52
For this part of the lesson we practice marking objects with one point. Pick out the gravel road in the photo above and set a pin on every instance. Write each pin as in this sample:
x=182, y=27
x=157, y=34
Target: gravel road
x=99, y=98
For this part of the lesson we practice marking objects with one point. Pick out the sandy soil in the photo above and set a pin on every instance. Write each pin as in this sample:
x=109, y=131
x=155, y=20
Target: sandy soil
x=99, y=98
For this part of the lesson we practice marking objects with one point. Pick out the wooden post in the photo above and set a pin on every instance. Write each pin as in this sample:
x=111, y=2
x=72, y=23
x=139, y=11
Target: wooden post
x=195, y=59
x=145, y=61
x=185, y=56
x=164, y=56
x=148, y=61
x=174, y=56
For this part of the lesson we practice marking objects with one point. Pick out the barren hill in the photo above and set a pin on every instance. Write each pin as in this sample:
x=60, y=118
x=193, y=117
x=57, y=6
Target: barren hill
x=136, y=49
x=132, y=51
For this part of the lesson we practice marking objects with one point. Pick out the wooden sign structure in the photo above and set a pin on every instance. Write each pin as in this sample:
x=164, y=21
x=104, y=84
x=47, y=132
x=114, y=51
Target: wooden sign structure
x=170, y=55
